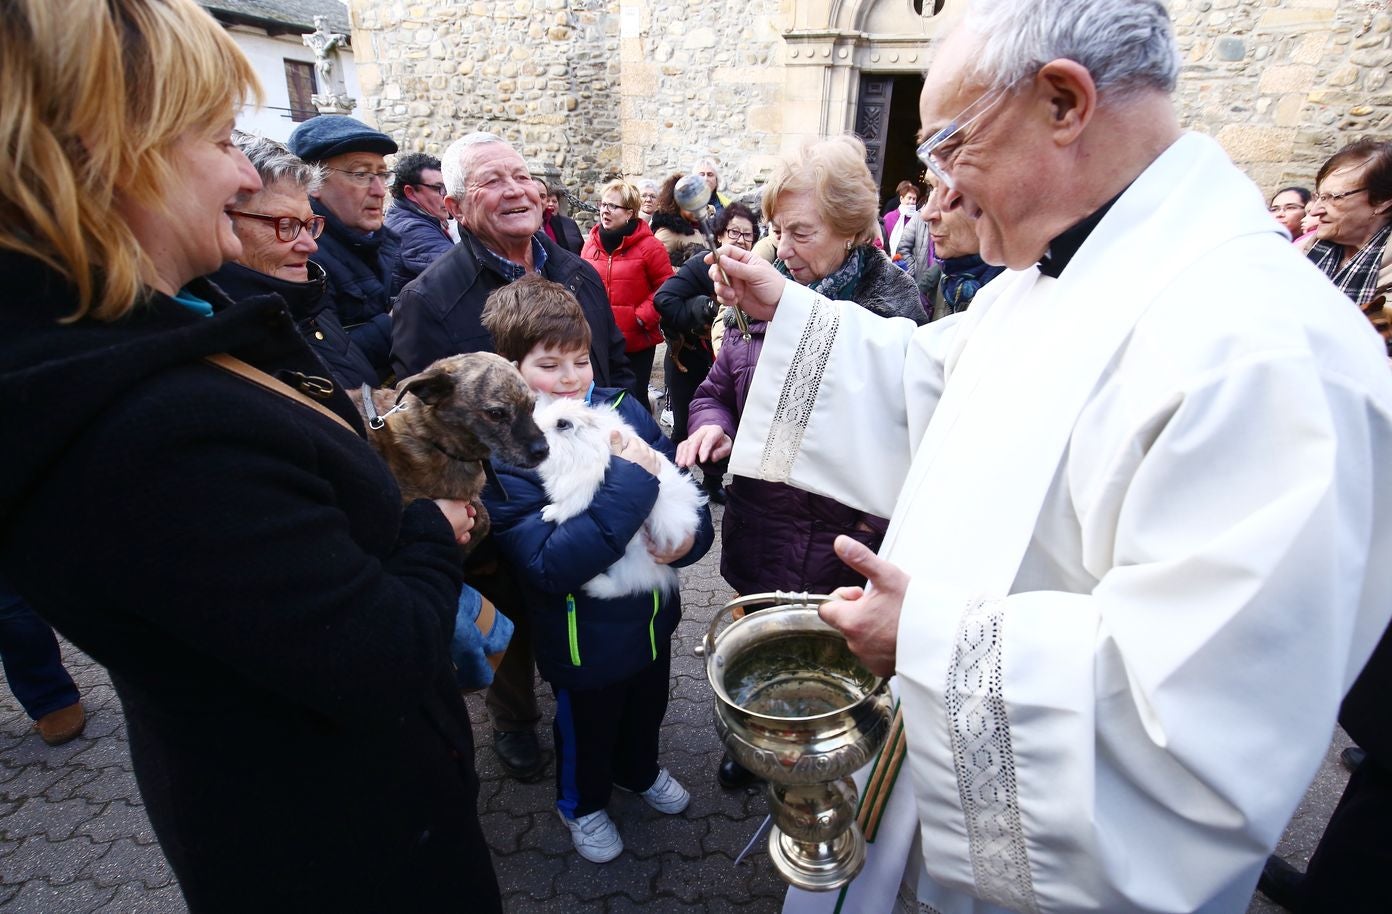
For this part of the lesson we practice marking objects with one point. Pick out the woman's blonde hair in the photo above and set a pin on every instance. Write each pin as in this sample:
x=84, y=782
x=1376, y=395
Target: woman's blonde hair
x=93, y=96
x=627, y=192
x=834, y=172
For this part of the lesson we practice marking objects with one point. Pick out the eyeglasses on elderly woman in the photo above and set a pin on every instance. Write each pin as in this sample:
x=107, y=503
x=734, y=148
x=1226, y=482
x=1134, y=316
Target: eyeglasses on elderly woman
x=1330, y=198
x=287, y=228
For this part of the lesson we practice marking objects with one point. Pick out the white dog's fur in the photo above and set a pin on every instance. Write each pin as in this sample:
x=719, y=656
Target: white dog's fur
x=578, y=436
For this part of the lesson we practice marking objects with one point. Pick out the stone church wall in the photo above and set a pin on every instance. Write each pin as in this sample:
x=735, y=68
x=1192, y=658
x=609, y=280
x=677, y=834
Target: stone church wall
x=1283, y=84
x=590, y=89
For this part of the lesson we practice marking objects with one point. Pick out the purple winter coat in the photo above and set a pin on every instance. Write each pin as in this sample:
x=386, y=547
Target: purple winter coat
x=773, y=537
x=776, y=537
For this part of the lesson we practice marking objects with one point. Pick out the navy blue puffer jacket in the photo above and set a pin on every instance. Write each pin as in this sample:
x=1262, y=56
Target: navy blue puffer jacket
x=582, y=642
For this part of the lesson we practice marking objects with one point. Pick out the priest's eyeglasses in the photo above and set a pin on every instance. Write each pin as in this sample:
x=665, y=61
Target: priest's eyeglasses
x=287, y=228
x=938, y=159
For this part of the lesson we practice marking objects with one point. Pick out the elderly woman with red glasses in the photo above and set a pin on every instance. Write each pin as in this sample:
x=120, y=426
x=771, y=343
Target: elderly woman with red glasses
x=277, y=229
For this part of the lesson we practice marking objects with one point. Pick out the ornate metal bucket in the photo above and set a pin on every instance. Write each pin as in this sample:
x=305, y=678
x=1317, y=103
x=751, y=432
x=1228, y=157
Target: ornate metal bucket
x=795, y=706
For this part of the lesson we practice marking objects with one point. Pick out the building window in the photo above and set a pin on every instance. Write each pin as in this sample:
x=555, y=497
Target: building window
x=299, y=79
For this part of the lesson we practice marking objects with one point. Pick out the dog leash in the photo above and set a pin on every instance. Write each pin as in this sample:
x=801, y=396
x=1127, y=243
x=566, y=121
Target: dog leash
x=374, y=421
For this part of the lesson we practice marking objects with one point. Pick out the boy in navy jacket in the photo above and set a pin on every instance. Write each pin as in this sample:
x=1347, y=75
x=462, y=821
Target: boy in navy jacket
x=608, y=660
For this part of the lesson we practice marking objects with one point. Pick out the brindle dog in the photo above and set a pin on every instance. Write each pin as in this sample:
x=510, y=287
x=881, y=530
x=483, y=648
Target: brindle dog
x=439, y=428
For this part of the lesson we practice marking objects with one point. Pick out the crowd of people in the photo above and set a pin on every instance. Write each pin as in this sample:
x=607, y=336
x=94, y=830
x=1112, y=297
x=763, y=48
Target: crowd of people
x=1081, y=501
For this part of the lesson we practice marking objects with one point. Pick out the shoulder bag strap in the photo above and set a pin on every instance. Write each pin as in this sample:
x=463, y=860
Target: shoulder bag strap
x=236, y=366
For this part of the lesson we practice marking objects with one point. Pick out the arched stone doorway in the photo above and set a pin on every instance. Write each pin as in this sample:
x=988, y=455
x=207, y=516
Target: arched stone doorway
x=857, y=65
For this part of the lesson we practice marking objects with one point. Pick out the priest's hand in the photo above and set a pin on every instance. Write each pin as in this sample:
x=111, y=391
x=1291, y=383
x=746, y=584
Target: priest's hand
x=706, y=444
x=754, y=285
x=868, y=617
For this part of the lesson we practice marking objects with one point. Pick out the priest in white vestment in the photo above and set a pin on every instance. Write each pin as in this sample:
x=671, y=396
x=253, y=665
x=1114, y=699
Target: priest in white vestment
x=1141, y=492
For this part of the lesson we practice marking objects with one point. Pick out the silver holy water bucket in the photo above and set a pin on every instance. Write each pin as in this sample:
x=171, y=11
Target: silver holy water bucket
x=795, y=706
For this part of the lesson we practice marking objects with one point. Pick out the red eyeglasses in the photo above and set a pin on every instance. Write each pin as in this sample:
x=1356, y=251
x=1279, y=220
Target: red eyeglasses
x=287, y=228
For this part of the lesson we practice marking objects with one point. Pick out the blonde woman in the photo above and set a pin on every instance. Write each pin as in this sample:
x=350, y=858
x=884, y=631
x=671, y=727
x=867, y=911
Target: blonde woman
x=194, y=506
x=633, y=265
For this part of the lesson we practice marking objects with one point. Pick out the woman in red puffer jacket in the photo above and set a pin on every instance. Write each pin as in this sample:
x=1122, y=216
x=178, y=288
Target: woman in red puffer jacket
x=633, y=265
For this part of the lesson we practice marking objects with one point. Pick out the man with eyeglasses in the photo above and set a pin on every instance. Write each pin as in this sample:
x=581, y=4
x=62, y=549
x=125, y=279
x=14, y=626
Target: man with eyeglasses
x=357, y=251
x=418, y=216
x=1138, y=492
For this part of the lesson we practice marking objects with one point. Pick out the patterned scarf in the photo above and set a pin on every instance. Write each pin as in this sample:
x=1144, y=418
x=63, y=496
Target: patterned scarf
x=963, y=277
x=1358, y=280
x=839, y=283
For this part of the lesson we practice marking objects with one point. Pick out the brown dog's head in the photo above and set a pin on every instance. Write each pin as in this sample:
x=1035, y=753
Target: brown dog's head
x=475, y=406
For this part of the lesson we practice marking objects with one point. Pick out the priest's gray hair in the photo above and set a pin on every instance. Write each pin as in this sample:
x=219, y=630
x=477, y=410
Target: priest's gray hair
x=452, y=162
x=276, y=164
x=1126, y=45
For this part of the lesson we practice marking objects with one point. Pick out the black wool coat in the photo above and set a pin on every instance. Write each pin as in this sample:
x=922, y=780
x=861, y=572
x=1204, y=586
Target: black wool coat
x=359, y=270
x=275, y=624
x=318, y=324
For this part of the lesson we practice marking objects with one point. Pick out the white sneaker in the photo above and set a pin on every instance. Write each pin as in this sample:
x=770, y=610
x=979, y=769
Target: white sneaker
x=666, y=417
x=666, y=794
x=595, y=836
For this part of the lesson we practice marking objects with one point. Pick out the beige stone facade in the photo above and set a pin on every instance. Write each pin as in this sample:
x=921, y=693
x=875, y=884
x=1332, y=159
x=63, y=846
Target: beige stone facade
x=588, y=89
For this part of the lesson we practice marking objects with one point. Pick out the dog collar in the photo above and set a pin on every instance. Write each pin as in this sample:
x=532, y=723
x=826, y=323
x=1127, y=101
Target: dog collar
x=484, y=463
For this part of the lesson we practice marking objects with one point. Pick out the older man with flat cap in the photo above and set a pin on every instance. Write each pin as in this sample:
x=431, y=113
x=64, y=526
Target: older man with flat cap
x=356, y=250
x=1140, y=506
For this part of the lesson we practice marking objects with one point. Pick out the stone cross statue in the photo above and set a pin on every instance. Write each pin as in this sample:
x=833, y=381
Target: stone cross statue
x=332, y=97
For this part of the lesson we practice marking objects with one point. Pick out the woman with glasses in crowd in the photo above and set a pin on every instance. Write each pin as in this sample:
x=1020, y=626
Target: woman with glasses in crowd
x=1288, y=207
x=688, y=307
x=1353, y=203
x=633, y=265
x=197, y=509
x=277, y=230
x=773, y=536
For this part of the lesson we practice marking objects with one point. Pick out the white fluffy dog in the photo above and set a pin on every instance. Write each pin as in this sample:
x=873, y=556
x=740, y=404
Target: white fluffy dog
x=578, y=436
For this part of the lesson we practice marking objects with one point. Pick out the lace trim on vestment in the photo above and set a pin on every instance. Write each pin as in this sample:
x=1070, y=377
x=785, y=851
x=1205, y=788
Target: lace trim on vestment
x=799, y=392
x=906, y=903
x=985, y=763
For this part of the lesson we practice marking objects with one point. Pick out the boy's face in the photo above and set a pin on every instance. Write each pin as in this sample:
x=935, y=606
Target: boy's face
x=558, y=371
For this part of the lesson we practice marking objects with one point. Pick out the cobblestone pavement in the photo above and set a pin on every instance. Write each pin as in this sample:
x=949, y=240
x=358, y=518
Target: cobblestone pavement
x=74, y=837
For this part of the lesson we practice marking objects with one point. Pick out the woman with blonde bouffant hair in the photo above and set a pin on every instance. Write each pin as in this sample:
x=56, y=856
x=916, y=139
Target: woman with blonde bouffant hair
x=192, y=503
x=822, y=202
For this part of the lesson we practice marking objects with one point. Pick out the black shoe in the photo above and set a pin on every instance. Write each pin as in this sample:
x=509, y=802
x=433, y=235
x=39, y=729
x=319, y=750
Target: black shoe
x=1352, y=757
x=732, y=775
x=519, y=753
x=716, y=493
x=1281, y=882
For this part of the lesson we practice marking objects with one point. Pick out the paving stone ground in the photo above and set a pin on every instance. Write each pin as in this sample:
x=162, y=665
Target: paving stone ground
x=74, y=836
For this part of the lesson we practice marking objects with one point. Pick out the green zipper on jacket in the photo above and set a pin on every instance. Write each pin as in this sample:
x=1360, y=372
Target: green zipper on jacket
x=570, y=630
x=652, y=636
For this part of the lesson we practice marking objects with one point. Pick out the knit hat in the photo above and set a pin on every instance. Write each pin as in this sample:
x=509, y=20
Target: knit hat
x=328, y=135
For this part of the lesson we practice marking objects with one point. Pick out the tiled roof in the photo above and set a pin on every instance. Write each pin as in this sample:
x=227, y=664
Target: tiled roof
x=290, y=15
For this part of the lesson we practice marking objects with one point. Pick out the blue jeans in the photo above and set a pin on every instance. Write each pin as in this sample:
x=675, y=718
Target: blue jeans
x=29, y=652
